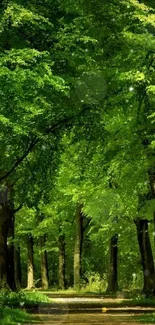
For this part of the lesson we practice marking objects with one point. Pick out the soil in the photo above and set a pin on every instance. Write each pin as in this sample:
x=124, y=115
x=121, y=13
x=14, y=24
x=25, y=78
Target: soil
x=87, y=311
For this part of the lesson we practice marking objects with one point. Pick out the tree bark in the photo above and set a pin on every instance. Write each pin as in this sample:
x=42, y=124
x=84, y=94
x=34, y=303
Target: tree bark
x=10, y=267
x=62, y=264
x=10, y=251
x=44, y=263
x=152, y=187
x=17, y=265
x=3, y=246
x=30, y=263
x=78, y=246
x=146, y=256
x=154, y=228
x=4, y=228
x=113, y=279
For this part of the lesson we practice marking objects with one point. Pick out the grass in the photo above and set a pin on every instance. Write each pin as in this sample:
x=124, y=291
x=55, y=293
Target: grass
x=126, y=300
x=147, y=318
x=12, y=305
x=142, y=302
x=13, y=299
x=90, y=291
x=9, y=316
x=70, y=292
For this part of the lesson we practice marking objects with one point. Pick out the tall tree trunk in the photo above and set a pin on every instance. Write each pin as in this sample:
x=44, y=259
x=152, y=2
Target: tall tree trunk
x=10, y=248
x=113, y=280
x=44, y=263
x=4, y=228
x=10, y=267
x=152, y=186
x=17, y=265
x=30, y=263
x=78, y=246
x=146, y=256
x=3, y=246
x=62, y=264
x=154, y=228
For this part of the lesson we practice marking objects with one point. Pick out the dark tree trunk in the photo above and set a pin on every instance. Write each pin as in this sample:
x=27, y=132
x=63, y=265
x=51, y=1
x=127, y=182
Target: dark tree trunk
x=4, y=229
x=152, y=186
x=146, y=256
x=10, y=248
x=4, y=224
x=30, y=263
x=10, y=267
x=44, y=263
x=113, y=279
x=78, y=246
x=62, y=264
x=154, y=228
x=17, y=264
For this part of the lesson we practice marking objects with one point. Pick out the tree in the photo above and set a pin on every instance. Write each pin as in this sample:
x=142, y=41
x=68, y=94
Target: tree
x=113, y=279
x=77, y=105
x=17, y=264
x=44, y=263
x=34, y=82
x=62, y=262
x=146, y=256
x=78, y=245
x=30, y=262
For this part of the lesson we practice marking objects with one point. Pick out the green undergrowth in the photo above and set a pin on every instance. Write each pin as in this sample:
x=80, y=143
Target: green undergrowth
x=71, y=292
x=92, y=292
x=147, y=318
x=142, y=302
x=77, y=291
x=13, y=299
x=11, y=316
x=12, y=306
x=119, y=299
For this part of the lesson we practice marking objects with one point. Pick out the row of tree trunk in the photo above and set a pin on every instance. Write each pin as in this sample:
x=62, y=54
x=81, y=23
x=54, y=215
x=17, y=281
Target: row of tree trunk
x=10, y=271
x=10, y=266
x=146, y=256
x=146, y=259
x=43, y=263
x=62, y=256
x=145, y=252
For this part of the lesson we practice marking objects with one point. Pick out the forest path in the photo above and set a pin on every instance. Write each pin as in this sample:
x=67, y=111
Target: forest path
x=87, y=319
x=88, y=311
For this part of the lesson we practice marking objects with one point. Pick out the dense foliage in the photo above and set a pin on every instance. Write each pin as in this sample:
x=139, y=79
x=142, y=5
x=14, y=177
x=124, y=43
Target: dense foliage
x=77, y=120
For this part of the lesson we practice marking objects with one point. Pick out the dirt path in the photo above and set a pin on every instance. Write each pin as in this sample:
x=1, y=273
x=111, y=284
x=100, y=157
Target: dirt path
x=86, y=319
x=87, y=311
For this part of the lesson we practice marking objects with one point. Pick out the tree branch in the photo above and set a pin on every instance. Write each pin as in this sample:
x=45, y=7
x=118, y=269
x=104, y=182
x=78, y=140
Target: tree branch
x=49, y=130
x=34, y=142
x=65, y=121
x=87, y=224
x=20, y=160
x=19, y=208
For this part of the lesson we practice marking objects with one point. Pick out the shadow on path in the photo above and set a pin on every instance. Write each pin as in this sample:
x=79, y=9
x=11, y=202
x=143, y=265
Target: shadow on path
x=87, y=311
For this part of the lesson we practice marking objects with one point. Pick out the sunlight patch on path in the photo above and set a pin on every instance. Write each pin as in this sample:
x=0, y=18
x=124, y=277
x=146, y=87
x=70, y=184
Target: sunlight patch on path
x=86, y=299
x=86, y=319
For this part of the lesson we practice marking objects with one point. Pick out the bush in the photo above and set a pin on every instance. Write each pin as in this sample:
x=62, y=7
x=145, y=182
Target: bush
x=9, y=300
x=11, y=316
x=95, y=283
x=13, y=299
